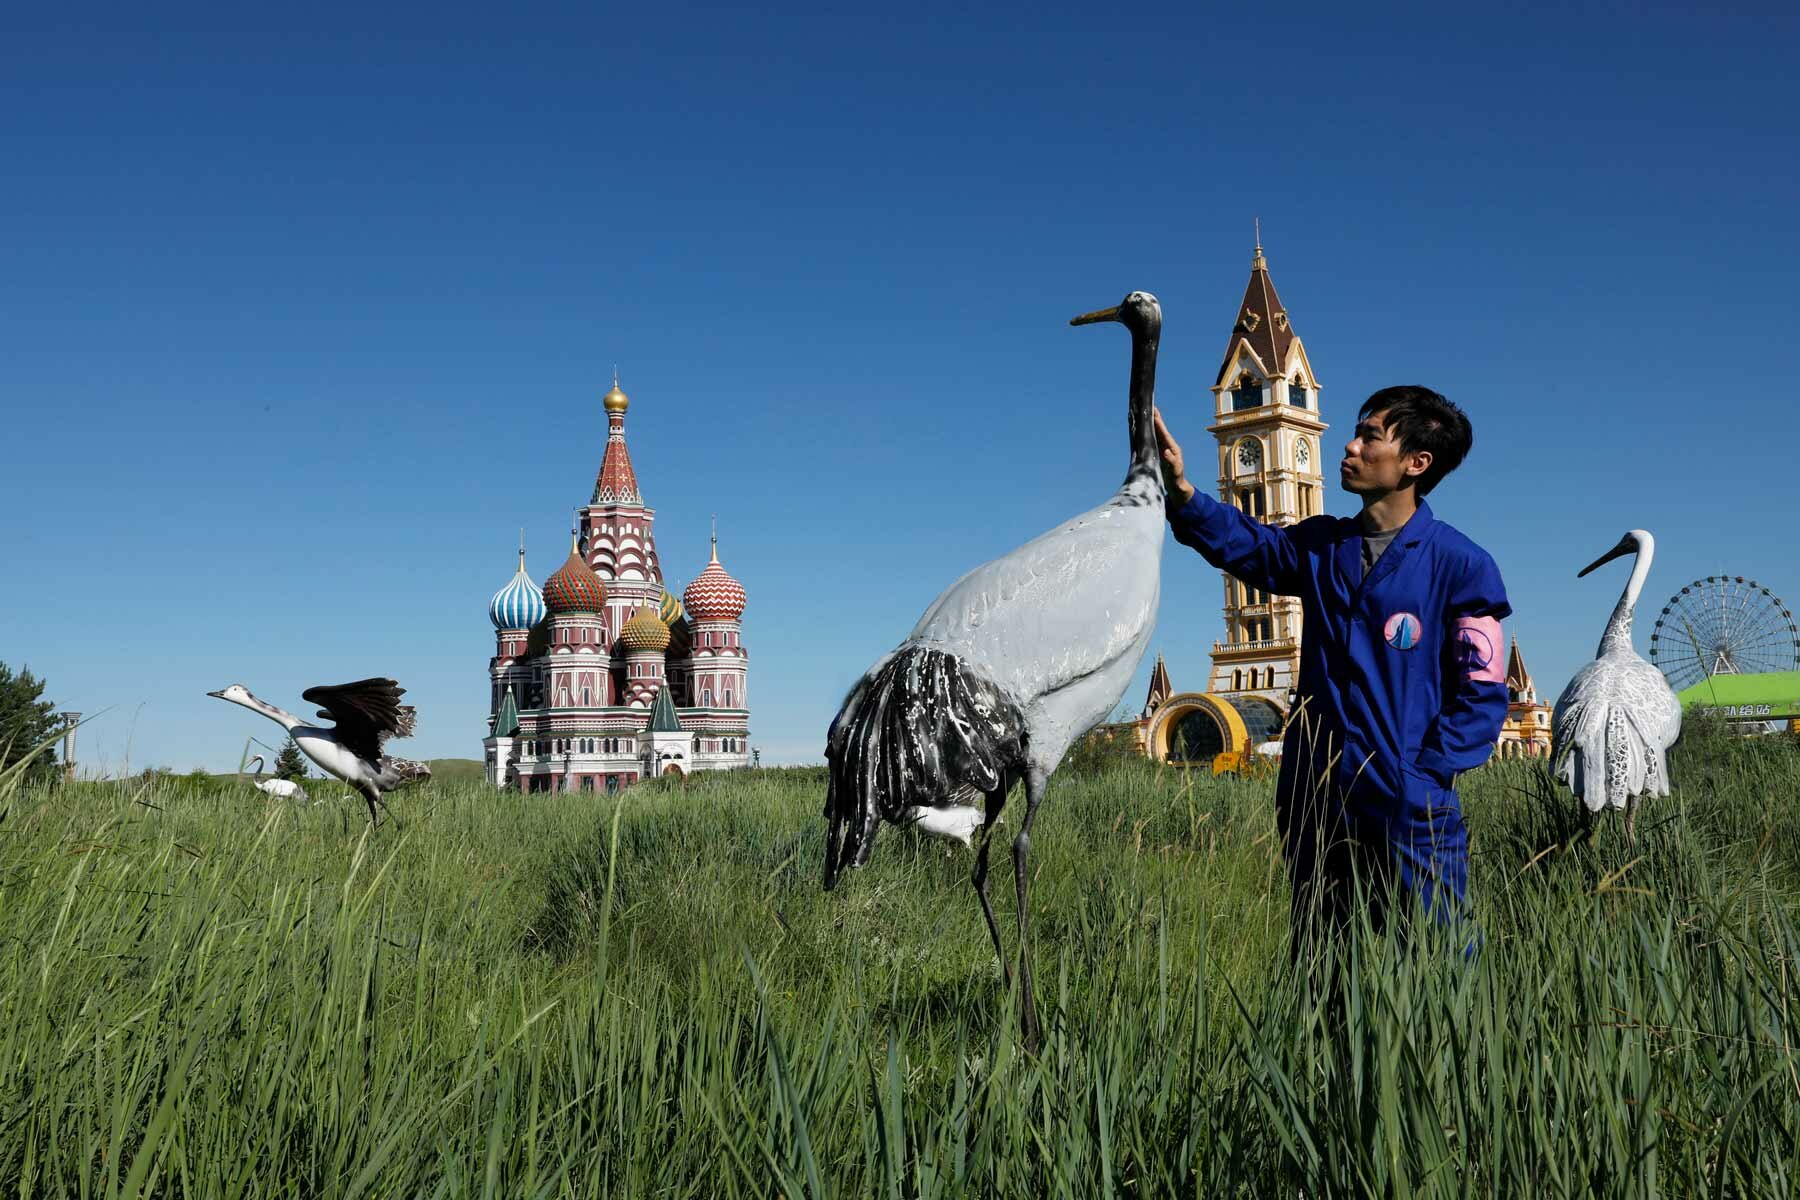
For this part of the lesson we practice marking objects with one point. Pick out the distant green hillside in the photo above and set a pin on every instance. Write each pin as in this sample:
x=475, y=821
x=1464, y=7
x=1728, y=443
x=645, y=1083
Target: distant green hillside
x=456, y=769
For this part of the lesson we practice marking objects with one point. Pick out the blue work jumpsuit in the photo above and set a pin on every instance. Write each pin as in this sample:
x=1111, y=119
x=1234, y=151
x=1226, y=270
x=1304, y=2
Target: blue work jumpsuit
x=1402, y=685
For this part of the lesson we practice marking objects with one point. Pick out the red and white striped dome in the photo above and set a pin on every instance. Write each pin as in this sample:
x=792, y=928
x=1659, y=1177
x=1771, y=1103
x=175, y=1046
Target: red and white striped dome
x=714, y=595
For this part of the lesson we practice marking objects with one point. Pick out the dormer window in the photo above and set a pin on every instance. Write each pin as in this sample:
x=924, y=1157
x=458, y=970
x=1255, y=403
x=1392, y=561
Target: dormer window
x=1246, y=393
x=1297, y=392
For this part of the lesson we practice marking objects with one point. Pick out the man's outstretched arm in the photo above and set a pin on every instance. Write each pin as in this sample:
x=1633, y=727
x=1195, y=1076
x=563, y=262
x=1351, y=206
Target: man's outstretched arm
x=1467, y=726
x=1263, y=556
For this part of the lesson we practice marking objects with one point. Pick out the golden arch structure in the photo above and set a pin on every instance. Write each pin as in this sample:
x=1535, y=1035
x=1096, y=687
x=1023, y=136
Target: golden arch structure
x=1205, y=729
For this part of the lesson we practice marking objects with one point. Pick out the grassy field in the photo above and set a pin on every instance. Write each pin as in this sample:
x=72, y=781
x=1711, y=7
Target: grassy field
x=214, y=994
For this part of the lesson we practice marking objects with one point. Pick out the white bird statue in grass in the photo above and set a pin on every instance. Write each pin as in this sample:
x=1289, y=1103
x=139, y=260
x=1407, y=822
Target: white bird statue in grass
x=365, y=714
x=1615, y=722
x=1009, y=666
x=286, y=789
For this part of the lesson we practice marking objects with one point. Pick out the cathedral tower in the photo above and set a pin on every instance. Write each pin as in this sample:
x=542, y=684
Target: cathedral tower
x=1266, y=405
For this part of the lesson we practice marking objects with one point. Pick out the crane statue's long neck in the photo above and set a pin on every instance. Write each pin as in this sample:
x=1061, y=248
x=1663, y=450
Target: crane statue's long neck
x=286, y=720
x=1145, y=475
x=1618, y=628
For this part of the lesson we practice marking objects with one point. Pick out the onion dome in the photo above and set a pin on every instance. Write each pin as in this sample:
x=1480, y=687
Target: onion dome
x=715, y=595
x=669, y=611
x=518, y=605
x=616, y=400
x=645, y=631
x=574, y=587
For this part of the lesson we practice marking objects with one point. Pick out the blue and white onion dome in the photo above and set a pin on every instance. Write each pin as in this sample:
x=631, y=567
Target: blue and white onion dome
x=518, y=605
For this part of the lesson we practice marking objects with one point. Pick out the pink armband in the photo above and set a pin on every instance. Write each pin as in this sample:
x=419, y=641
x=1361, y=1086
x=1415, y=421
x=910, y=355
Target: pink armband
x=1478, y=644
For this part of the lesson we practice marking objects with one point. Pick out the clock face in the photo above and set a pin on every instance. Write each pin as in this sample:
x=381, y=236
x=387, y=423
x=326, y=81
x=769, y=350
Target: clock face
x=1303, y=453
x=1250, y=455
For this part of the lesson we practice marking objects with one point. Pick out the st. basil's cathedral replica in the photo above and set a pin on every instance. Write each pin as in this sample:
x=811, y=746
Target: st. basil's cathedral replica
x=602, y=677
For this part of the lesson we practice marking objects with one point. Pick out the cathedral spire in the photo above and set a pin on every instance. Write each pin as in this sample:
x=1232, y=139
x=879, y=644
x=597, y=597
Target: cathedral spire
x=617, y=482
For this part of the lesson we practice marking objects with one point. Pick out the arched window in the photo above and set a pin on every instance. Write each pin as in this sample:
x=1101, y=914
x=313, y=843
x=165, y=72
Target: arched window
x=706, y=698
x=1246, y=393
x=1237, y=680
x=1297, y=392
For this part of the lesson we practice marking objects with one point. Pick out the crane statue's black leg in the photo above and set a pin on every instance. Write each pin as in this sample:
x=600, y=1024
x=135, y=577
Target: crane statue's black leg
x=1034, y=794
x=373, y=798
x=996, y=800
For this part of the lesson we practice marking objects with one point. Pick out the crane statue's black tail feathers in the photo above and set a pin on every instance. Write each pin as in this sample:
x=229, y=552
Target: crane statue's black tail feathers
x=398, y=772
x=912, y=731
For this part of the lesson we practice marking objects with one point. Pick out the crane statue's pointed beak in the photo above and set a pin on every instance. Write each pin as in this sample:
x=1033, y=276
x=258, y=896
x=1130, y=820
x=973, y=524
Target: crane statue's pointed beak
x=1625, y=546
x=1094, y=318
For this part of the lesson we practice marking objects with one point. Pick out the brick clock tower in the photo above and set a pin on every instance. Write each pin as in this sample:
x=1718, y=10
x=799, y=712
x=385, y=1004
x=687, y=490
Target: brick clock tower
x=1266, y=405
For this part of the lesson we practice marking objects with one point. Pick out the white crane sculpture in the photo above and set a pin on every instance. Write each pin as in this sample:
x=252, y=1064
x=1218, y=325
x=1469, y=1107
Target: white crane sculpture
x=286, y=789
x=366, y=713
x=1009, y=666
x=1617, y=718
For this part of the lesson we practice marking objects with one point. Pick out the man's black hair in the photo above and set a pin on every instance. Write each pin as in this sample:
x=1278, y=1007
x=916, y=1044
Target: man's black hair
x=1421, y=419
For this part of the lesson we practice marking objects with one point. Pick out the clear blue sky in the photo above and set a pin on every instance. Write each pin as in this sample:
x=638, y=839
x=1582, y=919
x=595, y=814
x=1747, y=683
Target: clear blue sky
x=302, y=324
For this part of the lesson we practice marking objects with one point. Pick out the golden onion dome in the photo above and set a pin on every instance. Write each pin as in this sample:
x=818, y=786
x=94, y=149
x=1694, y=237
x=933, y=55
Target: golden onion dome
x=616, y=400
x=645, y=631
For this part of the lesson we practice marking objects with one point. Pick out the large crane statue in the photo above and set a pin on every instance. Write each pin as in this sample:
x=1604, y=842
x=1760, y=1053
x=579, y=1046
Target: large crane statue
x=1009, y=666
x=1618, y=717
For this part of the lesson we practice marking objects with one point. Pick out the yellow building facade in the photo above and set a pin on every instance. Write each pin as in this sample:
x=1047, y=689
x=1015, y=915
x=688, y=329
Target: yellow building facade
x=1526, y=733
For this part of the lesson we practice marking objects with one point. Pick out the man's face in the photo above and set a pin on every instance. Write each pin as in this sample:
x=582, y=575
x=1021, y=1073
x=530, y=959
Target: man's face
x=1373, y=461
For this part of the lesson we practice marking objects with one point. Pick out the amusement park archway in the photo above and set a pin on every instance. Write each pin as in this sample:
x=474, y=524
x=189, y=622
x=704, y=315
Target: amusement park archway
x=1196, y=727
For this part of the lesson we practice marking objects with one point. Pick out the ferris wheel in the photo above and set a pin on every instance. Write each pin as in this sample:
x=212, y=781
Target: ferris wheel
x=1723, y=625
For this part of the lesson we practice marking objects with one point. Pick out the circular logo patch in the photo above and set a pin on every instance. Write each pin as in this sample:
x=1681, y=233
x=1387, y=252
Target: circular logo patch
x=1402, y=631
x=1474, y=649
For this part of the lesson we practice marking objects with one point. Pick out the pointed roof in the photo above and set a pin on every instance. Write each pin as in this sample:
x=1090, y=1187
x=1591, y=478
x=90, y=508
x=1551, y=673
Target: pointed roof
x=1261, y=321
x=507, y=723
x=617, y=482
x=1159, y=687
x=1518, y=679
x=662, y=713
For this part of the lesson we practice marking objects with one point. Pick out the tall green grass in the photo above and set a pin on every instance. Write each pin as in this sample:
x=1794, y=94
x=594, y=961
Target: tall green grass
x=209, y=993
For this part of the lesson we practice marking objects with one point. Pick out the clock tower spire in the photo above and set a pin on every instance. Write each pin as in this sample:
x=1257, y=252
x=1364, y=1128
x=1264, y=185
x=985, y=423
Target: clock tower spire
x=1268, y=425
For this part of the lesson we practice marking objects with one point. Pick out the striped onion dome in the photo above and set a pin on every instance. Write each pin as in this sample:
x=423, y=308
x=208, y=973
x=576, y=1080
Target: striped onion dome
x=715, y=595
x=669, y=610
x=518, y=605
x=574, y=587
x=645, y=631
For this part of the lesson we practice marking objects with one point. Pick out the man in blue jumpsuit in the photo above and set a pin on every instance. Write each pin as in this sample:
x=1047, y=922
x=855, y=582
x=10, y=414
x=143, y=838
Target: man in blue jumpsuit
x=1402, y=683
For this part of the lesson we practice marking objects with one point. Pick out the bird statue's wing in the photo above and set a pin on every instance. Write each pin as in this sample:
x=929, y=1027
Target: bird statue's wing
x=1058, y=608
x=1610, y=729
x=366, y=712
x=1578, y=736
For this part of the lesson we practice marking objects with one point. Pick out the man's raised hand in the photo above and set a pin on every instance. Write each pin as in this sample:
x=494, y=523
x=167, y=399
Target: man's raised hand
x=1175, y=482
